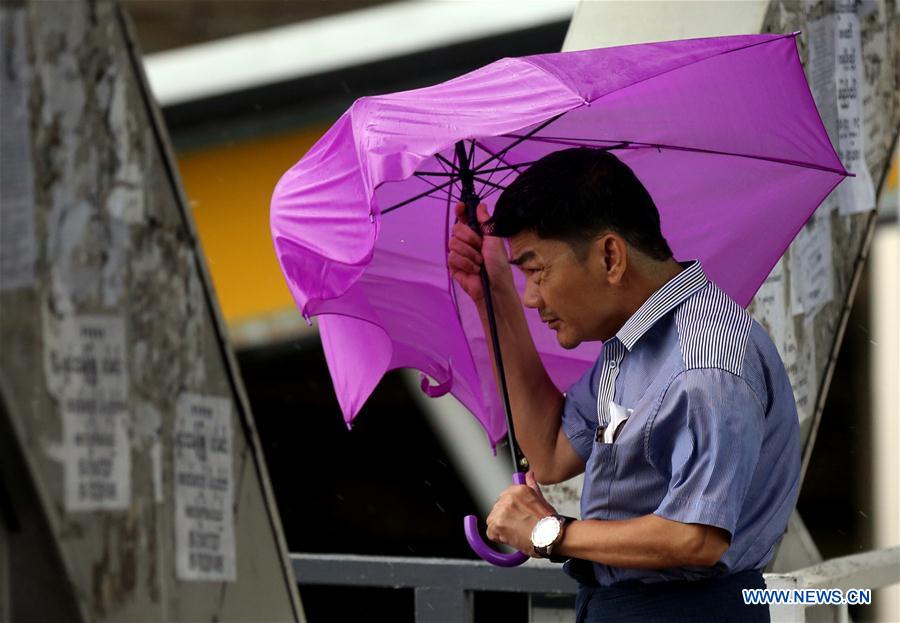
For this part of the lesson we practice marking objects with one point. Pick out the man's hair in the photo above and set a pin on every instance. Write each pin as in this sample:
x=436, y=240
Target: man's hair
x=577, y=194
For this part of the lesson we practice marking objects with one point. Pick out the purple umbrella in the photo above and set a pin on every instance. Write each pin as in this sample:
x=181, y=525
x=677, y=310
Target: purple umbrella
x=722, y=131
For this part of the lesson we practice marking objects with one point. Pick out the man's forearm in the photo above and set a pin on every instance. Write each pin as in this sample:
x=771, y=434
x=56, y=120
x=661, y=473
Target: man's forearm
x=648, y=542
x=535, y=401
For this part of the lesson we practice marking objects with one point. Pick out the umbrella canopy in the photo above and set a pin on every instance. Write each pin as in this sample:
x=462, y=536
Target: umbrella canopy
x=722, y=131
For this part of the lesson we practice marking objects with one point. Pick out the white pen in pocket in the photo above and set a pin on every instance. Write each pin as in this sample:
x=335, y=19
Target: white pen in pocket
x=618, y=415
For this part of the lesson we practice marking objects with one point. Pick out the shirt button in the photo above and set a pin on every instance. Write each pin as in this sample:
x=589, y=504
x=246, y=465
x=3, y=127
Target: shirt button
x=612, y=364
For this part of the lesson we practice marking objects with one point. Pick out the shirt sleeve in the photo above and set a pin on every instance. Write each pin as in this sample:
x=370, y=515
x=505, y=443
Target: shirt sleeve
x=707, y=437
x=579, y=416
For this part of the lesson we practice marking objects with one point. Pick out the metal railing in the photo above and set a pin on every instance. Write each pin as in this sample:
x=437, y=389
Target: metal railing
x=867, y=570
x=444, y=587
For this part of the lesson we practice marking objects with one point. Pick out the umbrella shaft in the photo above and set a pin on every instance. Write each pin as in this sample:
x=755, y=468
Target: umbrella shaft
x=519, y=461
x=471, y=200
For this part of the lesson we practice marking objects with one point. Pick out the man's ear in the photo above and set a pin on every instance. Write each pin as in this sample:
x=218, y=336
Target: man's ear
x=613, y=255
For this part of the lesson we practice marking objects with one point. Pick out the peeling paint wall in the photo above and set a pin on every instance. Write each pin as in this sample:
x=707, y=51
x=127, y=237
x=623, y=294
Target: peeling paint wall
x=114, y=367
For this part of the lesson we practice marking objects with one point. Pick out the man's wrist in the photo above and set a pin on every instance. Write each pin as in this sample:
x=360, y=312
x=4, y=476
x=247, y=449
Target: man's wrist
x=544, y=542
x=507, y=305
x=557, y=554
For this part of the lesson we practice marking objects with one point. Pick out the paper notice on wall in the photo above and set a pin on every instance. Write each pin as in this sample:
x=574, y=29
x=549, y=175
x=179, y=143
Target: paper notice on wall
x=854, y=194
x=770, y=305
x=820, y=68
x=86, y=371
x=98, y=469
x=204, y=489
x=799, y=361
x=811, y=266
x=18, y=245
x=817, y=263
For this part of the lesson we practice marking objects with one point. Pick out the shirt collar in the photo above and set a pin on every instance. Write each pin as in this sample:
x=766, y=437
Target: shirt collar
x=672, y=294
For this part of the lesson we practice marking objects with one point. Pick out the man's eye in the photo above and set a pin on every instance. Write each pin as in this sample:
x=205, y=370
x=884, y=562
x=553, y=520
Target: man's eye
x=534, y=273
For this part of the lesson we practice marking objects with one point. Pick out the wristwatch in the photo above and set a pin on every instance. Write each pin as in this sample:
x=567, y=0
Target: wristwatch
x=547, y=532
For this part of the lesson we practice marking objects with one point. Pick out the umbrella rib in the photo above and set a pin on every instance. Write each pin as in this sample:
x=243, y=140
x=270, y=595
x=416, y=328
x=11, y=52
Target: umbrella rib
x=508, y=165
x=588, y=142
x=437, y=187
x=562, y=140
x=447, y=251
x=525, y=137
x=417, y=197
x=454, y=170
x=491, y=192
x=480, y=192
x=492, y=170
x=489, y=183
x=506, y=168
x=491, y=173
x=452, y=166
x=494, y=190
x=449, y=174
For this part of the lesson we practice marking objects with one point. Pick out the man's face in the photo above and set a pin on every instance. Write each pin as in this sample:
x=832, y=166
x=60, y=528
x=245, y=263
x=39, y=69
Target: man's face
x=572, y=294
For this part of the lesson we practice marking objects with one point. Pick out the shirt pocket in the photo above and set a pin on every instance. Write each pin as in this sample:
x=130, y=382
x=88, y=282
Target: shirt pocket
x=634, y=487
x=602, y=474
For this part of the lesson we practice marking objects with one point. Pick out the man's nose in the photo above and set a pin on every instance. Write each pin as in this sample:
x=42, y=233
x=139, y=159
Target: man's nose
x=531, y=297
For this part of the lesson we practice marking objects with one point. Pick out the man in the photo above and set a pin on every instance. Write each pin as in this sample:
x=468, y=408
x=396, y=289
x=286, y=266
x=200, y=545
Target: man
x=685, y=426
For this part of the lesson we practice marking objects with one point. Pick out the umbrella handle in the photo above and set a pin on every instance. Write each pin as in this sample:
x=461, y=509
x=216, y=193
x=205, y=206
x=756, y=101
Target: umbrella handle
x=485, y=551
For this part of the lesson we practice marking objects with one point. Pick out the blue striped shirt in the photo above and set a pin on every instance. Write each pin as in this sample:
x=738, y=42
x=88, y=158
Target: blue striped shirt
x=711, y=435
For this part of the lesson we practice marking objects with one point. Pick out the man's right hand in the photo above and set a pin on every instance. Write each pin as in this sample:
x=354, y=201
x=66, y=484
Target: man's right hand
x=468, y=251
x=534, y=398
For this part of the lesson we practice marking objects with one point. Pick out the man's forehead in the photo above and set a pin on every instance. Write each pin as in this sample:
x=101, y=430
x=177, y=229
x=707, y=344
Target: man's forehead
x=527, y=246
x=524, y=246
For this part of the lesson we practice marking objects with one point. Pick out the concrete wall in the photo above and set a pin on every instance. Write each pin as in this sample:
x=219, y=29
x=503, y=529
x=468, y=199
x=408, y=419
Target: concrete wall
x=118, y=388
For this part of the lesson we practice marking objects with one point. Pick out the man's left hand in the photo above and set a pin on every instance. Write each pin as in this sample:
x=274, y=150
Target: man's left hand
x=516, y=512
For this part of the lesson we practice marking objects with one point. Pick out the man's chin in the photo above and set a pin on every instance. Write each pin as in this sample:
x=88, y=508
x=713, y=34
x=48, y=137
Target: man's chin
x=567, y=341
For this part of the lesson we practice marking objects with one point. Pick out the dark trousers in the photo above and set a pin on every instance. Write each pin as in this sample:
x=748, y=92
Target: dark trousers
x=710, y=600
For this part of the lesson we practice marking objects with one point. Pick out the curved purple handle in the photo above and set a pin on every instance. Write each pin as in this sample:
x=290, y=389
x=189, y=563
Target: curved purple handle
x=485, y=551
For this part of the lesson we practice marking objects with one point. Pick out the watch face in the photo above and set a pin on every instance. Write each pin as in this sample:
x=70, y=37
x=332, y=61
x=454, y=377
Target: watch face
x=545, y=531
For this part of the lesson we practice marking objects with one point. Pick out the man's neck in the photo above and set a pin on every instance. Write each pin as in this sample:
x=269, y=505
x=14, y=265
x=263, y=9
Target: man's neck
x=648, y=277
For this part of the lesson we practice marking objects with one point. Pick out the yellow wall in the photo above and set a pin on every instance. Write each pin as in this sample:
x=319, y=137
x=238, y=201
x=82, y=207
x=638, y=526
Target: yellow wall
x=229, y=187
